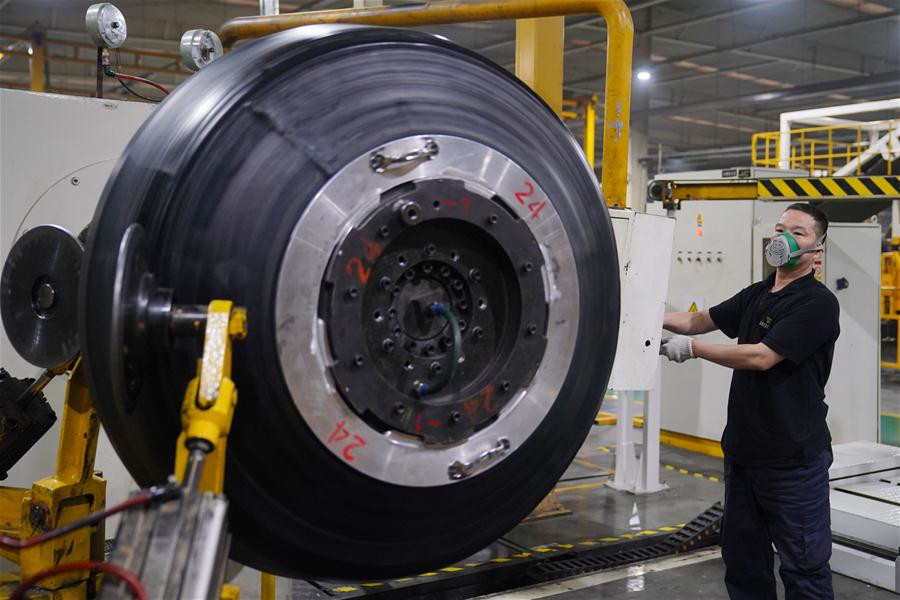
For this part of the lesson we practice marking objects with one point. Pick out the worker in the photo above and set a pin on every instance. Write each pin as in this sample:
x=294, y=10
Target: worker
x=776, y=443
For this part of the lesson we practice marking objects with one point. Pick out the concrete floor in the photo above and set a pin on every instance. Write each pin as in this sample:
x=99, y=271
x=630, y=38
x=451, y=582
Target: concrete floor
x=600, y=515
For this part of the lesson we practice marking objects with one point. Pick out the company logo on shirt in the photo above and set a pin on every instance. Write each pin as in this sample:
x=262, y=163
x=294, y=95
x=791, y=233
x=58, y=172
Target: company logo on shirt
x=766, y=322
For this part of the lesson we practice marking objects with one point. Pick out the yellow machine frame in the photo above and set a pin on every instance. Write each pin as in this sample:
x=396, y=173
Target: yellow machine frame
x=534, y=65
x=73, y=491
x=76, y=490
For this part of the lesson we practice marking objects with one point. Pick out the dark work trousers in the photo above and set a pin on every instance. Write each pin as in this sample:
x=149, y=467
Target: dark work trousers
x=788, y=507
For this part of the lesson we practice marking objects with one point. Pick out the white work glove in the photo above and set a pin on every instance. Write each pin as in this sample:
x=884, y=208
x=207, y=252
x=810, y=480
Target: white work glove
x=677, y=348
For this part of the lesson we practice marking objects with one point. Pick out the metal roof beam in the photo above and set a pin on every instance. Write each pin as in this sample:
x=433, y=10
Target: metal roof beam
x=801, y=91
x=784, y=36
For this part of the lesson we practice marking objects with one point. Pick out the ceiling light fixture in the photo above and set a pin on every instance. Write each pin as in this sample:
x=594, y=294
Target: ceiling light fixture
x=644, y=75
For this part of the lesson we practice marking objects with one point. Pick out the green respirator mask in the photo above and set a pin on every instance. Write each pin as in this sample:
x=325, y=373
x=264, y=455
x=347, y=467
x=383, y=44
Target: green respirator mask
x=783, y=250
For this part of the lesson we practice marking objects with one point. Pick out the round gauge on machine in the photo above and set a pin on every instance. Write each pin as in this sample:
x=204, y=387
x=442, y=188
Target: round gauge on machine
x=106, y=25
x=199, y=47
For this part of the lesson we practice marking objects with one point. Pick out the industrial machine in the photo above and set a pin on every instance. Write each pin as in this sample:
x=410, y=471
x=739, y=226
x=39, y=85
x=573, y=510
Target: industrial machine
x=423, y=278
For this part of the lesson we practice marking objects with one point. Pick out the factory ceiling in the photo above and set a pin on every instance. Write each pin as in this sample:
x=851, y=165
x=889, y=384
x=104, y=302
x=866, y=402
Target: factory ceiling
x=721, y=69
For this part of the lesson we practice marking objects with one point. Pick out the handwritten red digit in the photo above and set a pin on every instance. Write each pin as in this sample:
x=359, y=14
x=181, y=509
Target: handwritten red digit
x=527, y=193
x=471, y=406
x=536, y=208
x=487, y=395
x=339, y=433
x=449, y=202
x=361, y=271
x=359, y=443
x=370, y=249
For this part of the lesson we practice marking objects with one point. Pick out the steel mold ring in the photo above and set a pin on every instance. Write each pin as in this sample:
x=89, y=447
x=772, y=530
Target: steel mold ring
x=342, y=204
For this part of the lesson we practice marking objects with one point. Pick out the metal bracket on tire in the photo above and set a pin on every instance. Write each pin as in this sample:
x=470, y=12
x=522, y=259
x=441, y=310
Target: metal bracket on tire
x=459, y=470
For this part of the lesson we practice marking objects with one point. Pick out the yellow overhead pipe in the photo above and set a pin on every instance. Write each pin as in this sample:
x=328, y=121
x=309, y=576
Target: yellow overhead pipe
x=619, y=38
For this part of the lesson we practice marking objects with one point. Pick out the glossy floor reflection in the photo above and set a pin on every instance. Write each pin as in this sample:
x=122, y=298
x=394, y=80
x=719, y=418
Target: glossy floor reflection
x=600, y=515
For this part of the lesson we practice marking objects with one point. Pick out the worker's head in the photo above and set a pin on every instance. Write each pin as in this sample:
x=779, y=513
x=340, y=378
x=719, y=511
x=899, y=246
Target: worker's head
x=799, y=236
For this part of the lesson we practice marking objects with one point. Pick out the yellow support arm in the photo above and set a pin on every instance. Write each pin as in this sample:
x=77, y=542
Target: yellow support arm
x=211, y=396
x=619, y=39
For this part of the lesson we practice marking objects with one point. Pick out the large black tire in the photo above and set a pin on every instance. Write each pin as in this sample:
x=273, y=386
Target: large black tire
x=219, y=175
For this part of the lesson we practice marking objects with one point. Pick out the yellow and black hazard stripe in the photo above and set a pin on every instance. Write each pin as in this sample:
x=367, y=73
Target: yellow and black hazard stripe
x=830, y=187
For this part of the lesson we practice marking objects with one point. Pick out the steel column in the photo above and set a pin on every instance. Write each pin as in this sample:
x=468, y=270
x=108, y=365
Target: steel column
x=539, y=57
x=38, y=58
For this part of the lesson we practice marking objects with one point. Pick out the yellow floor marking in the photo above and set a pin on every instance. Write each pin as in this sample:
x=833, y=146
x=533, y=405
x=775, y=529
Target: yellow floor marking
x=587, y=543
x=522, y=555
x=679, y=524
x=712, y=478
x=543, y=549
x=564, y=545
x=609, y=539
x=405, y=579
x=581, y=486
x=628, y=536
x=345, y=588
x=668, y=529
x=371, y=584
x=588, y=464
x=649, y=532
x=451, y=569
x=473, y=564
x=428, y=574
x=500, y=559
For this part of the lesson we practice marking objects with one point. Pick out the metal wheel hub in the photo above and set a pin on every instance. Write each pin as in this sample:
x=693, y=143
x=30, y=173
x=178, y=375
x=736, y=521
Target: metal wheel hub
x=428, y=242
x=331, y=345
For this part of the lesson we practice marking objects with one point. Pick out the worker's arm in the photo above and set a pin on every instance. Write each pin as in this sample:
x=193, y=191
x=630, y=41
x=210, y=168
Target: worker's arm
x=689, y=323
x=745, y=357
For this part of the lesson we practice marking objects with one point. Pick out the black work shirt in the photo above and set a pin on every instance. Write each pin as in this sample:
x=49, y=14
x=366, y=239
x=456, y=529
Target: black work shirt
x=777, y=417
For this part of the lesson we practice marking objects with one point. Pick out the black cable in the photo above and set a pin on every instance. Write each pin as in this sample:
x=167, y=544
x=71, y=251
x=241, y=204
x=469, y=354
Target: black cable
x=153, y=494
x=142, y=97
x=110, y=73
x=423, y=389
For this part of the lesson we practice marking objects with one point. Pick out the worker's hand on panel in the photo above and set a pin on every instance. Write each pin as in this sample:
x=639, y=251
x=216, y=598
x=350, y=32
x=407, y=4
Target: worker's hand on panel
x=676, y=348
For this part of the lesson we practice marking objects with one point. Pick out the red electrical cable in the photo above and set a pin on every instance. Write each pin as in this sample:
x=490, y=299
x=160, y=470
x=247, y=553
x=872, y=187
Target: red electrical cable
x=130, y=579
x=161, y=88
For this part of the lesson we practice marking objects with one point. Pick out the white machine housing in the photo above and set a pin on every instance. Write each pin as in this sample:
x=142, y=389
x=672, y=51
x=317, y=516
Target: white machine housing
x=644, y=244
x=58, y=152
